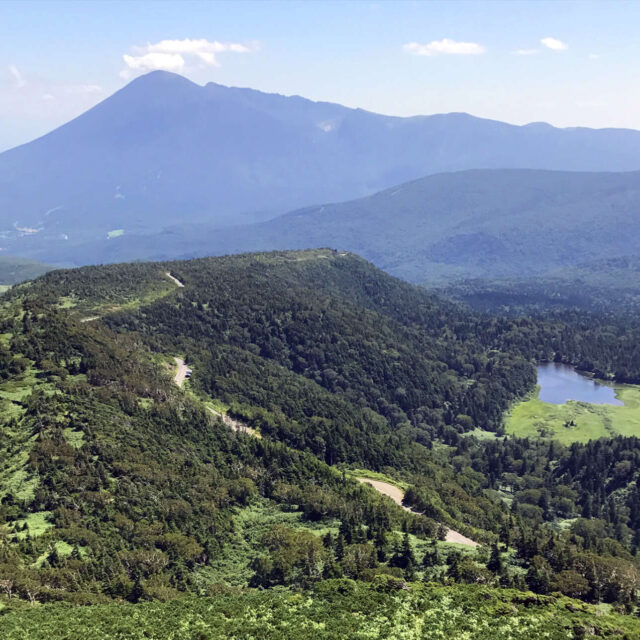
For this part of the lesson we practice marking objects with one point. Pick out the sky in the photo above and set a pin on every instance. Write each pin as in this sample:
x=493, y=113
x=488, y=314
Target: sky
x=567, y=63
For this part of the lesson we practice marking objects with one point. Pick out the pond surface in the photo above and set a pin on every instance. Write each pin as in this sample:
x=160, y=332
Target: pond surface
x=559, y=383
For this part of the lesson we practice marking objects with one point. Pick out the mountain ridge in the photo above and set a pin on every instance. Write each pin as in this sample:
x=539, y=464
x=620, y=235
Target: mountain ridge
x=164, y=151
x=478, y=223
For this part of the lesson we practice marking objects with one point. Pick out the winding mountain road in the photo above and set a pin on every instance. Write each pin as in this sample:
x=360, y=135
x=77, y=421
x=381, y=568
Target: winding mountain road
x=385, y=488
x=396, y=494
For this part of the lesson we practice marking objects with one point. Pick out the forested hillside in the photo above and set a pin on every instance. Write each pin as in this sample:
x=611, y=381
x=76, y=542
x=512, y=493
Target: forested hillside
x=602, y=286
x=119, y=485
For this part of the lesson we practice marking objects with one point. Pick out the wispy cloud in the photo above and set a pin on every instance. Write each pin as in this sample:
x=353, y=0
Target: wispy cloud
x=555, y=44
x=444, y=47
x=175, y=55
x=594, y=56
x=526, y=52
x=18, y=80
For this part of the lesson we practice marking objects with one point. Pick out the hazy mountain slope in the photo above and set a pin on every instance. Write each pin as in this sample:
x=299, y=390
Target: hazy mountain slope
x=475, y=223
x=164, y=151
x=14, y=270
x=605, y=285
x=483, y=223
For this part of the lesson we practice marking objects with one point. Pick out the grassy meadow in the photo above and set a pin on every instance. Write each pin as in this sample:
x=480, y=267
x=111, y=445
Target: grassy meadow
x=576, y=421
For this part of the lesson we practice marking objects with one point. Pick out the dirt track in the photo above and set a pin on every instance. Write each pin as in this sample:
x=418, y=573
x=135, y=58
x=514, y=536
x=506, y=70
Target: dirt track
x=236, y=425
x=174, y=279
x=396, y=494
x=181, y=373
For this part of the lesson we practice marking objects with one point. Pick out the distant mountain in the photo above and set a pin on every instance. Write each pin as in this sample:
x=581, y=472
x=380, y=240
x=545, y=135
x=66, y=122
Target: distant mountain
x=470, y=224
x=165, y=152
x=14, y=270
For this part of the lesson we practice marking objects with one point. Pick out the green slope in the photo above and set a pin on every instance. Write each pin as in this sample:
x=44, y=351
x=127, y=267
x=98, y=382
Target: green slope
x=337, y=610
x=118, y=485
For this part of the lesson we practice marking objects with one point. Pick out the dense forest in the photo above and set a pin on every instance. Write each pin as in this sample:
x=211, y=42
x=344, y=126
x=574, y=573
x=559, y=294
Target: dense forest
x=116, y=484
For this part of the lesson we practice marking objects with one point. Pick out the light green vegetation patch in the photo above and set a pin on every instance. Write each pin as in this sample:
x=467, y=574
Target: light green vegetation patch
x=217, y=405
x=37, y=524
x=336, y=609
x=17, y=389
x=145, y=403
x=74, y=438
x=564, y=524
x=16, y=441
x=481, y=434
x=19, y=484
x=10, y=409
x=67, y=302
x=250, y=524
x=63, y=549
x=576, y=421
x=116, y=233
x=420, y=546
x=376, y=475
x=15, y=445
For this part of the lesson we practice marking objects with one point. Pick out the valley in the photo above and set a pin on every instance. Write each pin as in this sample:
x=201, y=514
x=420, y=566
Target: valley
x=339, y=368
x=313, y=375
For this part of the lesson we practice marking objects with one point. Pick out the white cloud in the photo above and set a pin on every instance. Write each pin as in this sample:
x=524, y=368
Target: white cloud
x=197, y=47
x=444, y=47
x=526, y=52
x=173, y=55
x=17, y=76
x=555, y=44
x=594, y=56
x=152, y=61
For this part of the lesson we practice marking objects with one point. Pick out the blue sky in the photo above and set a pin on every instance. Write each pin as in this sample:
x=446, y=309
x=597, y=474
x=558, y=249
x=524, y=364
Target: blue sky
x=486, y=58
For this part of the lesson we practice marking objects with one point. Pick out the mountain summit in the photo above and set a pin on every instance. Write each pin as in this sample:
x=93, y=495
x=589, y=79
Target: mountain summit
x=164, y=151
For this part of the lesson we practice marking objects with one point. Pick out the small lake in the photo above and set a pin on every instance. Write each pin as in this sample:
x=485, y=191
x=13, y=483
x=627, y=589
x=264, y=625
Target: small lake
x=559, y=383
